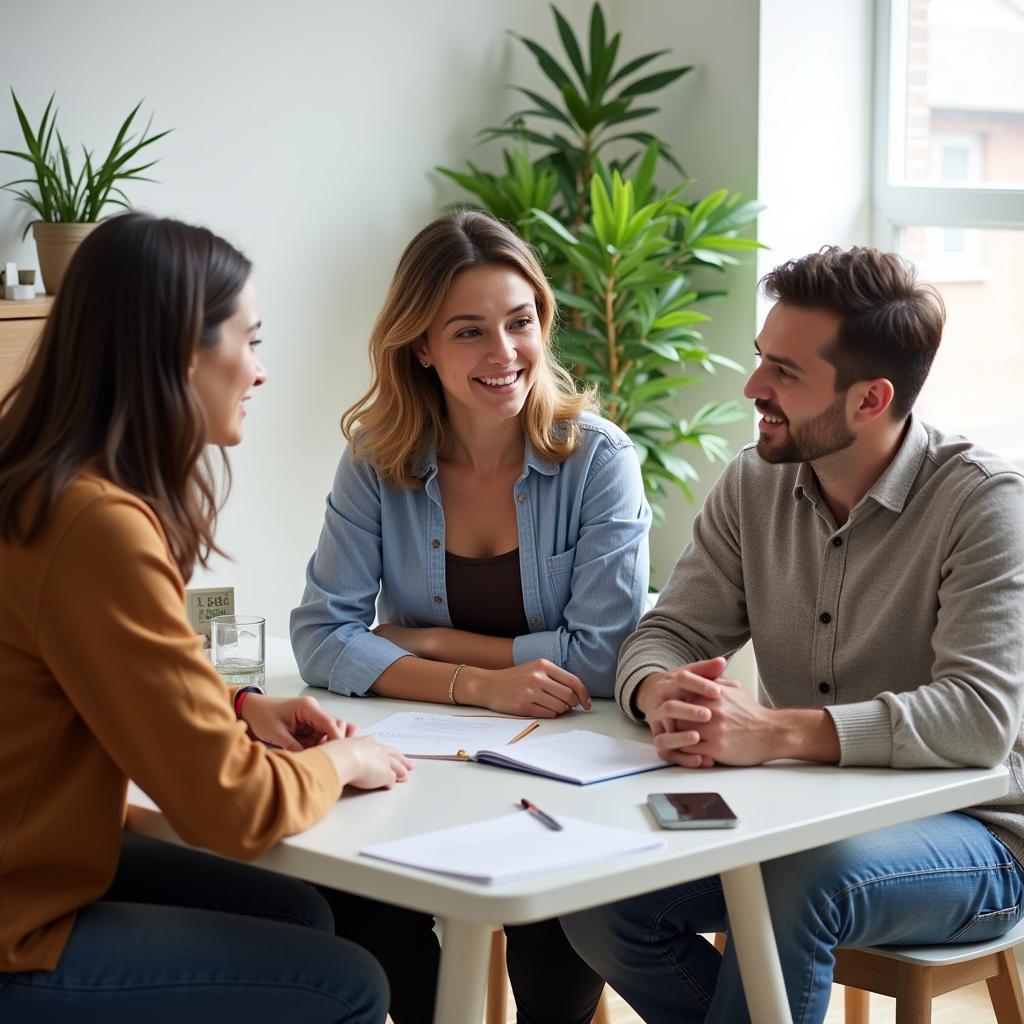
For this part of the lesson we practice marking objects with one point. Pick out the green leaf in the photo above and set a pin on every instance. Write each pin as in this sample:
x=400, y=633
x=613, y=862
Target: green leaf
x=547, y=107
x=571, y=46
x=601, y=208
x=675, y=464
x=663, y=349
x=635, y=65
x=578, y=108
x=556, y=226
x=680, y=318
x=713, y=414
x=653, y=82
x=658, y=387
x=578, y=302
x=644, y=177
x=600, y=73
x=597, y=38
x=554, y=71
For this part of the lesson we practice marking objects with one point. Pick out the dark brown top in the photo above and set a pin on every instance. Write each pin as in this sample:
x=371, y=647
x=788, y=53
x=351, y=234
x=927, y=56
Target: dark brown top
x=485, y=595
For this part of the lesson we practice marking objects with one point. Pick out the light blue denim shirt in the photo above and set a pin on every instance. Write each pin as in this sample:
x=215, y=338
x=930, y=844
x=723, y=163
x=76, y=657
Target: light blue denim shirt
x=583, y=560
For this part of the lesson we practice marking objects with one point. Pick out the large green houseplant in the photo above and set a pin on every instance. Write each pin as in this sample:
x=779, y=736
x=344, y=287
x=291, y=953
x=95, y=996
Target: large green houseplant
x=624, y=255
x=65, y=204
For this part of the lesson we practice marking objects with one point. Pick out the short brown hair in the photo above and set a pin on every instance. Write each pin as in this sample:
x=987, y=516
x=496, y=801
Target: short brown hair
x=890, y=326
x=404, y=409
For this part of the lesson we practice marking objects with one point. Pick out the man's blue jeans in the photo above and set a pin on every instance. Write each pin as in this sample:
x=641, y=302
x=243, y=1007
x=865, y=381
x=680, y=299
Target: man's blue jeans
x=185, y=936
x=939, y=880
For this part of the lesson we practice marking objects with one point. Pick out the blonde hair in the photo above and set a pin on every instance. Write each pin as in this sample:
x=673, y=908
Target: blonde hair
x=404, y=408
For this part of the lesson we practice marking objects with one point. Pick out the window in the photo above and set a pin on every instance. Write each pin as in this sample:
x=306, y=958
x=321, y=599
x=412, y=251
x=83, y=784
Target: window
x=949, y=194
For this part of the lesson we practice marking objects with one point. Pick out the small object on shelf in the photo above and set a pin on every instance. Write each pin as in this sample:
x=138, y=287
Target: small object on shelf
x=27, y=277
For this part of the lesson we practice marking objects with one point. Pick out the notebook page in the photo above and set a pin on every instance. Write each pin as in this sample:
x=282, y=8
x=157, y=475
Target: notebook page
x=511, y=847
x=579, y=756
x=424, y=735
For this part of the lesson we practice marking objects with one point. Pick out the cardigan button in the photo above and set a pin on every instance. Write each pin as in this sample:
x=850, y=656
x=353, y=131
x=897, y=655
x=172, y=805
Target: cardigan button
x=534, y=619
x=520, y=498
x=824, y=618
x=438, y=599
x=435, y=543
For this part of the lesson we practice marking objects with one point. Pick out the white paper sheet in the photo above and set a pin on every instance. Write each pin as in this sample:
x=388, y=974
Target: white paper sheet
x=513, y=846
x=422, y=735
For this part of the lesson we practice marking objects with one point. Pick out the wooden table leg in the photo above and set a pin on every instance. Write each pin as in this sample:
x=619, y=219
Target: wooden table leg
x=465, y=949
x=750, y=928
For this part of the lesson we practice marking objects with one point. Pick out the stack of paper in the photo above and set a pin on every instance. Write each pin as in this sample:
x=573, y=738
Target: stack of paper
x=512, y=847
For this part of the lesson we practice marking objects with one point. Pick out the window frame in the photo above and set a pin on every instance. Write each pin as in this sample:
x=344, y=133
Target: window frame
x=897, y=206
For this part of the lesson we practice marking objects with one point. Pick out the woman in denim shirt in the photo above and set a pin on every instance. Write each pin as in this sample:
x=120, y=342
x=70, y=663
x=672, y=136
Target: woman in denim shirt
x=503, y=524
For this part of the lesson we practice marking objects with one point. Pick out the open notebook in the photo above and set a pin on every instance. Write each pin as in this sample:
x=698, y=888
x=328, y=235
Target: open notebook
x=577, y=756
x=511, y=847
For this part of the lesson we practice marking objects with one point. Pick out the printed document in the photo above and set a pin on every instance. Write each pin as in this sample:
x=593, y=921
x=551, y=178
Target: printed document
x=512, y=847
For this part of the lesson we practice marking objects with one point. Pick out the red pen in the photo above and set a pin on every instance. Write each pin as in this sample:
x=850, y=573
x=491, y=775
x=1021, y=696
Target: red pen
x=540, y=815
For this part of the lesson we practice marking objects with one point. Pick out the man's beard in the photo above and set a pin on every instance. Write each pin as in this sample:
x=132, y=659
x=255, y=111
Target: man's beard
x=824, y=435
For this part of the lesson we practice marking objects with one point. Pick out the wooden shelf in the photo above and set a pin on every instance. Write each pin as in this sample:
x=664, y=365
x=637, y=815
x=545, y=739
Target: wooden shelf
x=26, y=309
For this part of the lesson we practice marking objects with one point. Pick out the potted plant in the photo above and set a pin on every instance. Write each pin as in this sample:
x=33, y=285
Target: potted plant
x=622, y=254
x=67, y=206
x=634, y=329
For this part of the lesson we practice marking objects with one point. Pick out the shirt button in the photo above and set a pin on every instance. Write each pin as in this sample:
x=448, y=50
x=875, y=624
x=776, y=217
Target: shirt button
x=520, y=498
x=837, y=542
x=824, y=687
x=824, y=618
x=435, y=543
x=438, y=599
x=534, y=619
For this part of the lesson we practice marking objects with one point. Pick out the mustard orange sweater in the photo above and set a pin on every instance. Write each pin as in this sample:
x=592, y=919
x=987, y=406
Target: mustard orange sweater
x=102, y=680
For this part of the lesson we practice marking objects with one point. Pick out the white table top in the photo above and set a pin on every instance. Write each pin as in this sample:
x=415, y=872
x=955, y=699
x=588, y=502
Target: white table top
x=782, y=807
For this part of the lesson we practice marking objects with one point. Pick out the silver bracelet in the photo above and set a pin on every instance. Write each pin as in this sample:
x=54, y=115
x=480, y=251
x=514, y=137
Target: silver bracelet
x=451, y=685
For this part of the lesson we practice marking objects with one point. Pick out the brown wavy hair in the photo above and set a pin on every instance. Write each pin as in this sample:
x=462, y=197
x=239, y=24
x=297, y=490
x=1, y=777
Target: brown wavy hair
x=404, y=408
x=108, y=387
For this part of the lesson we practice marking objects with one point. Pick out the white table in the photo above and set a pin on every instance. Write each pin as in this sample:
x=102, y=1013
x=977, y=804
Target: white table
x=782, y=808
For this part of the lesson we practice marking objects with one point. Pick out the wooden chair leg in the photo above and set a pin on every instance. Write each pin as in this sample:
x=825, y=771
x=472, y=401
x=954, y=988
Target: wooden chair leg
x=1005, y=991
x=720, y=938
x=913, y=995
x=856, y=1006
x=602, y=1014
x=497, y=981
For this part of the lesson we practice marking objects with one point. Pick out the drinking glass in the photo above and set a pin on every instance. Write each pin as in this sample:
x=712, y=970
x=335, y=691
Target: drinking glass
x=238, y=644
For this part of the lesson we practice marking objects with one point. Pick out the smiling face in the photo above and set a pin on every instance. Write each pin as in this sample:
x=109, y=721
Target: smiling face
x=485, y=343
x=225, y=374
x=803, y=417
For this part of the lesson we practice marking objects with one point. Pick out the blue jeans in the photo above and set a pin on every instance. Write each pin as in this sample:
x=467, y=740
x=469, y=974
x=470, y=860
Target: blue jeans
x=185, y=936
x=939, y=880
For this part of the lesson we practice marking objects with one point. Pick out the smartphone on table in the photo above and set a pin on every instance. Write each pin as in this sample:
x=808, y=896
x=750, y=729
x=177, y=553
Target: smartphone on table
x=691, y=810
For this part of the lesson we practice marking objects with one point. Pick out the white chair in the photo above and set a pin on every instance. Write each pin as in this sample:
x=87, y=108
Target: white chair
x=914, y=975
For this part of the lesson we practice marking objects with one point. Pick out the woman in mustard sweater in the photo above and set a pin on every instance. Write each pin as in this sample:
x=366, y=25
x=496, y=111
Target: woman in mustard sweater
x=106, y=504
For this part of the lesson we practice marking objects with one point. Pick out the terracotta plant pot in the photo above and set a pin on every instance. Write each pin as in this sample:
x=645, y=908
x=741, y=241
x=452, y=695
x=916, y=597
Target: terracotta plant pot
x=56, y=244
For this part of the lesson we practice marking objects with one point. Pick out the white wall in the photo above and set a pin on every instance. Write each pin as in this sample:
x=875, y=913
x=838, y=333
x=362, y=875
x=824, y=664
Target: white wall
x=814, y=157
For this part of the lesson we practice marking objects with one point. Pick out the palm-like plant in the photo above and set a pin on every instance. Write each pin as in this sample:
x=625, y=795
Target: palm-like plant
x=595, y=99
x=63, y=196
x=635, y=332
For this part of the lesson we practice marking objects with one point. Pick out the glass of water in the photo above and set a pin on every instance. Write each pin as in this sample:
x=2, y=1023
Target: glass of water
x=238, y=643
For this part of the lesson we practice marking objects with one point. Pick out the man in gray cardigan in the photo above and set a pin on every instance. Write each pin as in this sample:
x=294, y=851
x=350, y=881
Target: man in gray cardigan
x=878, y=567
